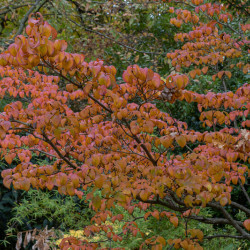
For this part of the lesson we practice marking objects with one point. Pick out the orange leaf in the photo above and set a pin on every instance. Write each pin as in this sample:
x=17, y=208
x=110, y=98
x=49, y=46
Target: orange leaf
x=26, y=184
x=179, y=82
x=166, y=141
x=184, y=244
x=144, y=195
x=220, y=74
x=235, y=180
x=2, y=133
x=192, y=73
x=99, y=181
x=6, y=172
x=181, y=140
x=199, y=234
x=174, y=220
x=208, y=138
x=228, y=74
x=161, y=240
x=7, y=182
x=96, y=159
x=204, y=70
x=246, y=224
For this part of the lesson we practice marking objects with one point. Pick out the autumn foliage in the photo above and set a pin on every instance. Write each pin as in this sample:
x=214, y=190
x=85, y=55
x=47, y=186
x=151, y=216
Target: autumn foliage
x=118, y=141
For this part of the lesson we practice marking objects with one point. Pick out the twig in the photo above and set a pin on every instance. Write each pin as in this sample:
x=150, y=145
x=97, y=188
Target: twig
x=171, y=247
x=223, y=236
x=43, y=152
x=230, y=219
x=213, y=221
x=103, y=35
x=12, y=7
x=245, y=193
x=165, y=204
x=79, y=86
x=242, y=208
x=142, y=145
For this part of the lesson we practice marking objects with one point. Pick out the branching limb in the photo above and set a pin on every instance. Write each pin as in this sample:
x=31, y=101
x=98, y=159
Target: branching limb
x=9, y=8
x=57, y=151
x=214, y=221
x=168, y=204
x=245, y=193
x=242, y=208
x=223, y=236
x=83, y=25
x=230, y=219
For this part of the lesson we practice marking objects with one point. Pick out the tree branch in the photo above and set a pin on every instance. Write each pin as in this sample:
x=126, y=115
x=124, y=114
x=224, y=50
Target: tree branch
x=79, y=86
x=141, y=144
x=103, y=35
x=242, y=208
x=230, y=219
x=165, y=204
x=223, y=236
x=12, y=7
x=245, y=193
x=43, y=152
x=213, y=221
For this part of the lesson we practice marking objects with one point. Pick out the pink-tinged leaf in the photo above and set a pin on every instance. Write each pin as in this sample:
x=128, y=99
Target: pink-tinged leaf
x=155, y=214
x=223, y=201
x=7, y=182
x=6, y=125
x=6, y=172
x=9, y=158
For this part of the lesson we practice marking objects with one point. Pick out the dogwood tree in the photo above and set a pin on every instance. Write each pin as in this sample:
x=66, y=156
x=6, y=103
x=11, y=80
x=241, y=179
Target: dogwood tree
x=120, y=143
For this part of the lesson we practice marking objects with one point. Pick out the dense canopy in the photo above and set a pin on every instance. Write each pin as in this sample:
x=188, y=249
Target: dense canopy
x=120, y=141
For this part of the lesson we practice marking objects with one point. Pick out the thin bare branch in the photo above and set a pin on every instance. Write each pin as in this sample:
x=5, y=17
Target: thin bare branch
x=83, y=25
x=242, y=208
x=245, y=193
x=230, y=219
x=10, y=7
x=223, y=236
